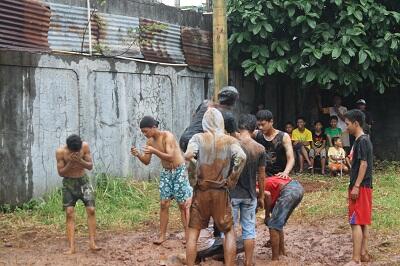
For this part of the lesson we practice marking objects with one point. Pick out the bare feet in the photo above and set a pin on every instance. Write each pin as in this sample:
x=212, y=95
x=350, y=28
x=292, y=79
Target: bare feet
x=352, y=263
x=365, y=257
x=70, y=251
x=94, y=248
x=160, y=241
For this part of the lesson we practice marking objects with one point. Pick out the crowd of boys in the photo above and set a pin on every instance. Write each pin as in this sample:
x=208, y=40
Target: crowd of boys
x=236, y=168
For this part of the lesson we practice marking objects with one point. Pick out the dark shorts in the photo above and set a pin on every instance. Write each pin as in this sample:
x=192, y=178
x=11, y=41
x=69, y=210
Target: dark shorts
x=213, y=203
x=360, y=210
x=75, y=189
x=289, y=197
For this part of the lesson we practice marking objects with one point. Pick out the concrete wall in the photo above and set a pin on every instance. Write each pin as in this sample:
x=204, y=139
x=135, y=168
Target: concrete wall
x=44, y=98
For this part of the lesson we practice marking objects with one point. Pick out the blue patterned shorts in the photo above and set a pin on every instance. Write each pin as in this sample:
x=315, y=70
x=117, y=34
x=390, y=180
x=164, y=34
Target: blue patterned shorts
x=174, y=183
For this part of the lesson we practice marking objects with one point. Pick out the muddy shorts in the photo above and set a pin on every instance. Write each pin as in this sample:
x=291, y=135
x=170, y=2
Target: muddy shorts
x=174, y=184
x=213, y=203
x=360, y=210
x=75, y=189
x=289, y=197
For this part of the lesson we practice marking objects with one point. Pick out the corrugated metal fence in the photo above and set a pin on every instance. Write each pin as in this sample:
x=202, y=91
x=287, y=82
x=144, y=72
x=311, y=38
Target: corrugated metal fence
x=34, y=25
x=24, y=25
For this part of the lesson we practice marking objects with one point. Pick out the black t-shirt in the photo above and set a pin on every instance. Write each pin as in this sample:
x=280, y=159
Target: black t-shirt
x=246, y=185
x=275, y=153
x=197, y=127
x=318, y=139
x=362, y=151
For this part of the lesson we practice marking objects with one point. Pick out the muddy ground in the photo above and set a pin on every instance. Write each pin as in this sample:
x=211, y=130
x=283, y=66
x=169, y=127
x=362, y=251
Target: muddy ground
x=326, y=242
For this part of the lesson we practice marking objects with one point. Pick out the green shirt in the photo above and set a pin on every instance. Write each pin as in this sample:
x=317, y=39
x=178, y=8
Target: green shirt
x=333, y=132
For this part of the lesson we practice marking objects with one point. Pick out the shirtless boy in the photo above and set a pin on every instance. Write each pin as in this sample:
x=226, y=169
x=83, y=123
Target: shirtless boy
x=174, y=182
x=72, y=160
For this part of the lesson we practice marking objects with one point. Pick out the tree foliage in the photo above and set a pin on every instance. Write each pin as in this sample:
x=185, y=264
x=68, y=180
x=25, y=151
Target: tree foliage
x=346, y=44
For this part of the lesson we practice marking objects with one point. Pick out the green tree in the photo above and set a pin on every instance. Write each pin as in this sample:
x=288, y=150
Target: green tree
x=347, y=44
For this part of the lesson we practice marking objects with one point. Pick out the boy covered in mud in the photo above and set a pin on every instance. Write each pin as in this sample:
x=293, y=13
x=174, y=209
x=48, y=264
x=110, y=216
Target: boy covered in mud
x=219, y=162
x=174, y=182
x=360, y=187
x=72, y=161
x=244, y=196
x=282, y=196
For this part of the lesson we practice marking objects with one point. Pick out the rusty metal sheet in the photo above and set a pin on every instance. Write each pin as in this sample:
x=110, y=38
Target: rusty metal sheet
x=24, y=25
x=197, y=47
x=68, y=28
x=118, y=35
x=161, y=42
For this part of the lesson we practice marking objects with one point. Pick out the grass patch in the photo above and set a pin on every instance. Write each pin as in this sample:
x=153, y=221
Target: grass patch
x=331, y=201
x=120, y=204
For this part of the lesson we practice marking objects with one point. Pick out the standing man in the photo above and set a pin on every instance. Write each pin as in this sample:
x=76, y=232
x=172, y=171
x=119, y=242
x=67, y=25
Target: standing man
x=338, y=110
x=220, y=160
x=174, y=182
x=244, y=195
x=277, y=144
x=362, y=105
x=72, y=161
x=227, y=98
x=360, y=188
x=282, y=196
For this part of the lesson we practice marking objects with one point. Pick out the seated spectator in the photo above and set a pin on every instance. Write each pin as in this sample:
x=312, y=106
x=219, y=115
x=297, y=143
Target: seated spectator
x=302, y=138
x=289, y=128
x=337, y=157
x=333, y=130
x=318, y=146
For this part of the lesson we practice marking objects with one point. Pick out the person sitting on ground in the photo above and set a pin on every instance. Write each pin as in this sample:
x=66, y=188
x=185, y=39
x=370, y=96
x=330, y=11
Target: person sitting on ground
x=289, y=128
x=302, y=139
x=282, y=196
x=244, y=195
x=333, y=130
x=174, y=183
x=277, y=144
x=219, y=160
x=318, y=146
x=337, y=157
x=72, y=161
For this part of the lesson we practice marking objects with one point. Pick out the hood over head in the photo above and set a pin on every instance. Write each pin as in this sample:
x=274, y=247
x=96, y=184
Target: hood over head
x=213, y=121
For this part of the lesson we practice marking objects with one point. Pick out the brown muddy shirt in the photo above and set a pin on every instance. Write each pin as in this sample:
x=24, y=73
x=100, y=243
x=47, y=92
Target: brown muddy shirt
x=217, y=155
x=246, y=185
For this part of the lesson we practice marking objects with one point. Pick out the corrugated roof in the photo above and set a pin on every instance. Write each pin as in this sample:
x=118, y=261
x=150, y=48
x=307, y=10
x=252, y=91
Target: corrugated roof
x=197, y=47
x=161, y=42
x=67, y=27
x=119, y=35
x=24, y=24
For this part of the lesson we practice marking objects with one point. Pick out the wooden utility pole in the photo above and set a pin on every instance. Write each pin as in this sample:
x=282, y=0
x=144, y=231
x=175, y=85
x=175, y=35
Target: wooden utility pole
x=220, y=46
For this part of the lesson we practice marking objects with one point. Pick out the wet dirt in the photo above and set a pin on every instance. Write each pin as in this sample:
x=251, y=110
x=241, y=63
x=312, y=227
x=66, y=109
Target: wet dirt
x=326, y=243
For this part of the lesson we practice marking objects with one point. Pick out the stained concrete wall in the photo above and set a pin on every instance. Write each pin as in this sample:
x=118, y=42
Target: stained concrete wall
x=44, y=98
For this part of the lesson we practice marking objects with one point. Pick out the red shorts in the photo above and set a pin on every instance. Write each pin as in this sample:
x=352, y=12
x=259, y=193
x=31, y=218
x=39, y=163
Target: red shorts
x=360, y=210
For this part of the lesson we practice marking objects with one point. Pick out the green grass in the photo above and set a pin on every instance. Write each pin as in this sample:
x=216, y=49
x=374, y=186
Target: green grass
x=120, y=204
x=124, y=204
x=331, y=202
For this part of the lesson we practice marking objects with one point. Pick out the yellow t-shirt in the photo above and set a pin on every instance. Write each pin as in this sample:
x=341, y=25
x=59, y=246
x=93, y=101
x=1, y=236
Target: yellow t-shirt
x=306, y=135
x=336, y=153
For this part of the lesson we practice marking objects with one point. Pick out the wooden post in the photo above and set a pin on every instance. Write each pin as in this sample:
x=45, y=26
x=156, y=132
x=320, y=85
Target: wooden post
x=220, y=46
